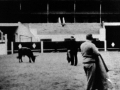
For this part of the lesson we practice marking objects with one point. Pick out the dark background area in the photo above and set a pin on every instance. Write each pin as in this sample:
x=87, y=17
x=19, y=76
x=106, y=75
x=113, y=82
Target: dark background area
x=43, y=11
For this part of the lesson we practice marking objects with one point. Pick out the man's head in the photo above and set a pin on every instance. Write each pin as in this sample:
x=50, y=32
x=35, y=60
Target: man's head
x=72, y=38
x=89, y=37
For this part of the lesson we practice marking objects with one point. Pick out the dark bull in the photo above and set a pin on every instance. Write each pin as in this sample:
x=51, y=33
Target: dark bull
x=24, y=51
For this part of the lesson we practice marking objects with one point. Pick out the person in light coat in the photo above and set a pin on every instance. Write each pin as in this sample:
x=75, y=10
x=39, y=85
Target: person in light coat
x=94, y=65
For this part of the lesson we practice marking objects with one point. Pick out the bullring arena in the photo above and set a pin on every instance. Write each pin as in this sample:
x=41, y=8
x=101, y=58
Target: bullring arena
x=45, y=26
x=51, y=71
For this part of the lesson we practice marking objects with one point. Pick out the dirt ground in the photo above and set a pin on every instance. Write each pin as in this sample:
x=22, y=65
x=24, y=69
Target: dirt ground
x=51, y=72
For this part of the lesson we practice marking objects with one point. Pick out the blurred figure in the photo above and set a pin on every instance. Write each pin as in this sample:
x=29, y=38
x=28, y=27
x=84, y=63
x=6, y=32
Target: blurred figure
x=73, y=49
x=94, y=66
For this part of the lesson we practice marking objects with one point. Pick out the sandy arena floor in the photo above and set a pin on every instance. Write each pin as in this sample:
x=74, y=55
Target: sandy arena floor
x=51, y=72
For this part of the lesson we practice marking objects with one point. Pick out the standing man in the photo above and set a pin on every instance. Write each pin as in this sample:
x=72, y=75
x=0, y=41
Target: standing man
x=95, y=68
x=73, y=51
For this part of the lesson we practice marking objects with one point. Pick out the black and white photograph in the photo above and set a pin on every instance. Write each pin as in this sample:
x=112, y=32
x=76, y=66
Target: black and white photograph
x=59, y=44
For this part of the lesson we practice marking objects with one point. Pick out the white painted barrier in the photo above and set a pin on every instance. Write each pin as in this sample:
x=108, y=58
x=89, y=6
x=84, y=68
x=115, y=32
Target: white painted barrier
x=3, y=50
x=3, y=46
x=41, y=46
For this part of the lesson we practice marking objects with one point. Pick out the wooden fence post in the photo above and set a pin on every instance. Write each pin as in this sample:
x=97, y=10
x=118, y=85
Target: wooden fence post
x=6, y=43
x=105, y=45
x=41, y=46
x=12, y=49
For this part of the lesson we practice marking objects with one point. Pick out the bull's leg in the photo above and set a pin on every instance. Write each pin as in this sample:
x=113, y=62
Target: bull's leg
x=21, y=59
x=18, y=58
x=29, y=60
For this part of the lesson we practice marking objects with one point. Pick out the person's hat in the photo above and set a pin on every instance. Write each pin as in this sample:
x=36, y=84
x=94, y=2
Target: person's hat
x=89, y=37
x=72, y=37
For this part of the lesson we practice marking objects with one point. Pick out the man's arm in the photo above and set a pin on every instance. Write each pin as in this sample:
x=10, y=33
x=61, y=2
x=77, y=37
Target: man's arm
x=95, y=50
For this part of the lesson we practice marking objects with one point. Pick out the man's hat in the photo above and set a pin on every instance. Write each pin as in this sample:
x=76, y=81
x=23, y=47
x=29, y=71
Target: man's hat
x=72, y=37
x=89, y=37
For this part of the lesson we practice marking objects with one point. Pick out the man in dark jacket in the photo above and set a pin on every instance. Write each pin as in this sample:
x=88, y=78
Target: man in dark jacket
x=73, y=51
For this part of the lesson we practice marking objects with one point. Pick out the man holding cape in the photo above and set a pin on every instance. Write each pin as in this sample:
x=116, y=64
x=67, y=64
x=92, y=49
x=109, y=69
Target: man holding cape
x=94, y=66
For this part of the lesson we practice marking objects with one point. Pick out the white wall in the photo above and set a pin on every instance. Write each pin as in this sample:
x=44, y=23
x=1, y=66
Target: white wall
x=3, y=49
